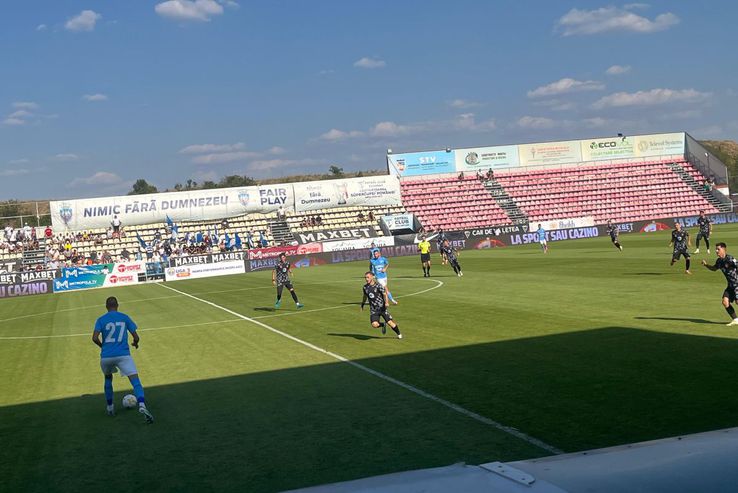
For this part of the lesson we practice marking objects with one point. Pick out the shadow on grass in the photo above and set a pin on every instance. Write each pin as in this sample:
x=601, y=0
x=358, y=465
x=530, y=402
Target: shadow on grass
x=302, y=426
x=676, y=319
x=265, y=309
x=359, y=337
x=645, y=273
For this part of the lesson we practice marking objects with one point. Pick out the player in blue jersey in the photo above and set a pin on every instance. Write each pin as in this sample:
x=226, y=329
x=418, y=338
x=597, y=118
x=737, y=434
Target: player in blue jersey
x=542, y=238
x=115, y=354
x=373, y=248
x=380, y=265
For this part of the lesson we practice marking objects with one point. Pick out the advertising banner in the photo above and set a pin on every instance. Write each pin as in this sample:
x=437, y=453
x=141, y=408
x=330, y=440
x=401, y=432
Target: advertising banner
x=335, y=234
x=549, y=153
x=422, y=163
x=397, y=222
x=83, y=277
x=577, y=222
x=26, y=283
x=659, y=144
x=483, y=158
x=326, y=194
x=199, y=266
x=608, y=148
x=337, y=246
x=179, y=206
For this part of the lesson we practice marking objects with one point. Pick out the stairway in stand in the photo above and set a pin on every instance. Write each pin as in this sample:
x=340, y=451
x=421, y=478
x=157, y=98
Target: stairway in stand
x=699, y=188
x=507, y=203
x=280, y=231
x=32, y=258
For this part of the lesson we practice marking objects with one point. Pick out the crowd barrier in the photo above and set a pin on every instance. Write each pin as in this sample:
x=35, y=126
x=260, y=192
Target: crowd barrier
x=301, y=256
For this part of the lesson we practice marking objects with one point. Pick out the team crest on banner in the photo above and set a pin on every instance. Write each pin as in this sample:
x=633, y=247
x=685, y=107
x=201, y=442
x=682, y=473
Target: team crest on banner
x=243, y=197
x=65, y=211
x=467, y=234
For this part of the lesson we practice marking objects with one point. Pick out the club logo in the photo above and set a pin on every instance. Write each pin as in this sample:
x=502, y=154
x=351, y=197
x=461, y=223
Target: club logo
x=472, y=158
x=467, y=234
x=643, y=146
x=243, y=197
x=65, y=211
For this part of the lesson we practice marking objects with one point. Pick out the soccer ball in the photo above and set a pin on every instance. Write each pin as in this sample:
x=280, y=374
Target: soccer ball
x=129, y=401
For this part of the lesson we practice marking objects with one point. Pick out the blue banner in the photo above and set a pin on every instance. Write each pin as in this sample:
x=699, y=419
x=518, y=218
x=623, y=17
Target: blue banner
x=82, y=277
x=422, y=163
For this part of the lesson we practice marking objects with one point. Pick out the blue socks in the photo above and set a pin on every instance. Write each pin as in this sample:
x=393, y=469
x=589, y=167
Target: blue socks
x=109, y=390
x=138, y=389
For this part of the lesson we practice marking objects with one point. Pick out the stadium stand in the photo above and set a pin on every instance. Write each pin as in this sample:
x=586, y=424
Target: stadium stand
x=452, y=203
x=621, y=192
x=342, y=218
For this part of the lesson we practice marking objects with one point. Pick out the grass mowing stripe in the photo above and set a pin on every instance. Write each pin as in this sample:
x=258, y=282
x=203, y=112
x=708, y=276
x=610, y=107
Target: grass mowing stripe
x=60, y=336
x=438, y=285
x=455, y=407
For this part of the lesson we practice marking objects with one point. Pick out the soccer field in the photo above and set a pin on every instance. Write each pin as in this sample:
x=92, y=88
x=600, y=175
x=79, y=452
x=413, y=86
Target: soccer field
x=584, y=347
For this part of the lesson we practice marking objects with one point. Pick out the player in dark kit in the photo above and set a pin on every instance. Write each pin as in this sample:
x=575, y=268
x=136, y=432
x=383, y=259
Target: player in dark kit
x=378, y=303
x=281, y=278
x=451, y=254
x=680, y=240
x=729, y=266
x=705, y=230
x=612, y=230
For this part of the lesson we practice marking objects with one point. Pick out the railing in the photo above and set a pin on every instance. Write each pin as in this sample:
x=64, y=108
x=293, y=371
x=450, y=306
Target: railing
x=709, y=165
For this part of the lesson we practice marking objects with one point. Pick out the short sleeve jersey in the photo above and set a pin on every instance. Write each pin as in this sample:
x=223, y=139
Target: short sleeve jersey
x=378, y=266
x=729, y=267
x=541, y=234
x=449, y=252
x=114, y=327
x=424, y=246
x=282, y=272
x=612, y=230
x=704, y=224
x=375, y=294
x=679, y=238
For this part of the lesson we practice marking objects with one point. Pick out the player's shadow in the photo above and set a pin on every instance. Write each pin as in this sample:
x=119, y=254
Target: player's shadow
x=265, y=309
x=645, y=274
x=677, y=319
x=359, y=337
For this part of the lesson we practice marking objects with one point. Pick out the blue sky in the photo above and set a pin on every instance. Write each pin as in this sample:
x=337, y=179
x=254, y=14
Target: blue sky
x=96, y=94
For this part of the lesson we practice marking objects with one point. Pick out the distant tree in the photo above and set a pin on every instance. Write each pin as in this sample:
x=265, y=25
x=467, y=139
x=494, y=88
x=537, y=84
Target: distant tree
x=236, y=181
x=178, y=187
x=11, y=208
x=141, y=187
x=207, y=184
x=336, y=172
x=359, y=174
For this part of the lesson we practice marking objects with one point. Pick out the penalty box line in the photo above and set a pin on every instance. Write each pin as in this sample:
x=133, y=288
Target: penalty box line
x=455, y=407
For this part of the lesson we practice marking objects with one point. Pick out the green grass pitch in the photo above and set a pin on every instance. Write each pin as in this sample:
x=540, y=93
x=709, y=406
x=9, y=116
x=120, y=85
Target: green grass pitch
x=582, y=348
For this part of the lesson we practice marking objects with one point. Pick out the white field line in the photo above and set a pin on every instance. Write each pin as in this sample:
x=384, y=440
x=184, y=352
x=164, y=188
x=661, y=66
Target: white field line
x=15, y=338
x=287, y=314
x=455, y=407
x=98, y=306
x=89, y=334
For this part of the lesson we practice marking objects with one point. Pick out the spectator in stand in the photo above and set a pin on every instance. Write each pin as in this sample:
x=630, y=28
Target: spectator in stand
x=371, y=217
x=709, y=184
x=360, y=217
x=116, y=223
x=262, y=240
x=48, y=233
x=224, y=224
x=461, y=176
x=281, y=214
x=125, y=254
x=479, y=176
x=318, y=220
x=490, y=174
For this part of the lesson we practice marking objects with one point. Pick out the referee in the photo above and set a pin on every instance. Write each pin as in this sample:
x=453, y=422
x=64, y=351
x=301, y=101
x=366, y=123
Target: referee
x=424, y=248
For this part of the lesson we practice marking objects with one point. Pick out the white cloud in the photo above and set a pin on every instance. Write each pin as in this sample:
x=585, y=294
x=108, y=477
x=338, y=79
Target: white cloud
x=556, y=104
x=14, y=172
x=276, y=150
x=650, y=98
x=16, y=162
x=291, y=164
x=20, y=114
x=611, y=19
x=100, y=178
x=390, y=129
x=66, y=157
x=13, y=122
x=25, y=105
x=370, y=63
x=224, y=157
x=564, y=86
x=41, y=27
x=618, y=70
x=537, y=122
x=95, y=97
x=84, y=21
x=467, y=121
x=191, y=10
x=462, y=104
x=212, y=148
x=636, y=6
x=334, y=135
